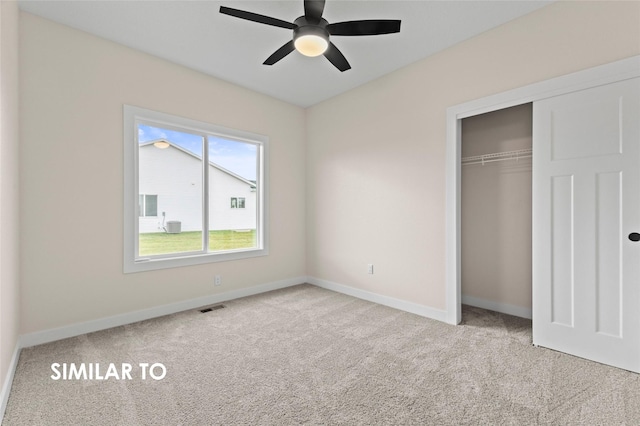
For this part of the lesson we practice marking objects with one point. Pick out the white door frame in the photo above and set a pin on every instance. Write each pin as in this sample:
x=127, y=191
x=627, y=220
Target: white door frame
x=592, y=77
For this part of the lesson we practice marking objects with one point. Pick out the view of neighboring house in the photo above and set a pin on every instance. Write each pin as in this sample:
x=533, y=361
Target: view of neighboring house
x=170, y=189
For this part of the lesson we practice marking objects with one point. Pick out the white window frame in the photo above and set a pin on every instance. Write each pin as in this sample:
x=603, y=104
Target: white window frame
x=134, y=263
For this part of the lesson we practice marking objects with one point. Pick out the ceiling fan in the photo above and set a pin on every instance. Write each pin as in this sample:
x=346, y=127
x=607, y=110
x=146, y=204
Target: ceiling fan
x=311, y=32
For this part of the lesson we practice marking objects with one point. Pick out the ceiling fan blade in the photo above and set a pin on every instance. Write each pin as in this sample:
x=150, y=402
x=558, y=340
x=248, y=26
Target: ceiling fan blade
x=280, y=53
x=363, y=28
x=250, y=16
x=337, y=58
x=313, y=9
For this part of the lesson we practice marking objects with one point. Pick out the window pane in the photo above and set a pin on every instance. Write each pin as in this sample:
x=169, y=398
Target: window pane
x=140, y=205
x=151, y=205
x=233, y=203
x=169, y=168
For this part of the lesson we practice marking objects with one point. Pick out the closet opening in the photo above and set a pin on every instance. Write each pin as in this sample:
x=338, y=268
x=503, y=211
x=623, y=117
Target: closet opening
x=496, y=210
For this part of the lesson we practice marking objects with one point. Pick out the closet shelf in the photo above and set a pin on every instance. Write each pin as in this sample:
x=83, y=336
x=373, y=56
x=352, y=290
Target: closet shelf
x=498, y=156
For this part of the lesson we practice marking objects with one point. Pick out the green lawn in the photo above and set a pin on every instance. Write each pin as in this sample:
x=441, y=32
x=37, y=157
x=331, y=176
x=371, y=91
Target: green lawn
x=162, y=243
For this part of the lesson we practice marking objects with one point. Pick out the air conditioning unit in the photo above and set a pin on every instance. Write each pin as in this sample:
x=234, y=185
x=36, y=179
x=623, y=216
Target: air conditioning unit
x=173, y=227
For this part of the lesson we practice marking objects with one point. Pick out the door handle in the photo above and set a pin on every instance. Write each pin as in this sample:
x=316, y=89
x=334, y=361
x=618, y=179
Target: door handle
x=634, y=236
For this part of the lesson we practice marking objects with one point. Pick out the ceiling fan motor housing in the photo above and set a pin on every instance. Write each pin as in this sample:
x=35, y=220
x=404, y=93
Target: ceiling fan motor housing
x=305, y=27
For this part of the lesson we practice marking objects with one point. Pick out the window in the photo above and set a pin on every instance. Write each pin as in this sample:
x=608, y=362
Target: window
x=237, y=203
x=179, y=177
x=148, y=205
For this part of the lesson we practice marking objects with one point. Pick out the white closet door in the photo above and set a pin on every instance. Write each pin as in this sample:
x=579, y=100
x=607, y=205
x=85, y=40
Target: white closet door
x=586, y=213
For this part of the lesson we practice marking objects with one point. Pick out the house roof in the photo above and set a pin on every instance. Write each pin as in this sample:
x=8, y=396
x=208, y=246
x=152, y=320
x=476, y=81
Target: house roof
x=251, y=183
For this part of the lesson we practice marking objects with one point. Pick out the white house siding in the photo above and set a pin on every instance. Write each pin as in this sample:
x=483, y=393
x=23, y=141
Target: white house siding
x=223, y=187
x=176, y=178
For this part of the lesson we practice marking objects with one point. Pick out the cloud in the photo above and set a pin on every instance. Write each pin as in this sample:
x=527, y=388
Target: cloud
x=148, y=133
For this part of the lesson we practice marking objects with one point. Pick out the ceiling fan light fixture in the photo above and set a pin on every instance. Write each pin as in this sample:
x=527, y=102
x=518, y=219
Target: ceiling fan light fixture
x=162, y=144
x=310, y=39
x=311, y=45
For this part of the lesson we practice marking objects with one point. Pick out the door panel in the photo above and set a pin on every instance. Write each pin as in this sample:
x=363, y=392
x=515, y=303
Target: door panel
x=608, y=245
x=562, y=250
x=586, y=201
x=598, y=133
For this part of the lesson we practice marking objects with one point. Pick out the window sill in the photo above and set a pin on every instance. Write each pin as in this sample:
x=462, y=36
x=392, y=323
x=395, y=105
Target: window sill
x=152, y=264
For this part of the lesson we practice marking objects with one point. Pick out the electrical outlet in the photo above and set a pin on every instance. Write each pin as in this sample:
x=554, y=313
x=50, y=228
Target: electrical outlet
x=218, y=280
x=370, y=268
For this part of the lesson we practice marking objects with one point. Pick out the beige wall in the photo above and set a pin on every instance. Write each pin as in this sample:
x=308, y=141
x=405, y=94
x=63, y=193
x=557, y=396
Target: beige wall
x=9, y=199
x=496, y=209
x=72, y=89
x=376, y=155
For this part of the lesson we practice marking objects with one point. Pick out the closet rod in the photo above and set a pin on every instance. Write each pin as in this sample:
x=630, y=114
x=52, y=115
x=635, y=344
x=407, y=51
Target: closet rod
x=498, y=156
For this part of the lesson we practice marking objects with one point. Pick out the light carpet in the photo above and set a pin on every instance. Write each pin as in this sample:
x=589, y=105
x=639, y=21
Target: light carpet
x=305, y=355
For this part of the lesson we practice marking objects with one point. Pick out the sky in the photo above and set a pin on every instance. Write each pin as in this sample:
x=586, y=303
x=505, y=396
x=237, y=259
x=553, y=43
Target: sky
x=237, y=157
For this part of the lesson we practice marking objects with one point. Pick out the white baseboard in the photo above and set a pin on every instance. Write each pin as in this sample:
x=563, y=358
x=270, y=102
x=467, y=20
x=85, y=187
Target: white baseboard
x=505, y=308
x=51, y=335
x=6, y=386
x=402, y=305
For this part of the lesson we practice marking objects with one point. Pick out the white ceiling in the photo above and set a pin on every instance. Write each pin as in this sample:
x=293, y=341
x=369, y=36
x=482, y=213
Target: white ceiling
x=196, y=35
